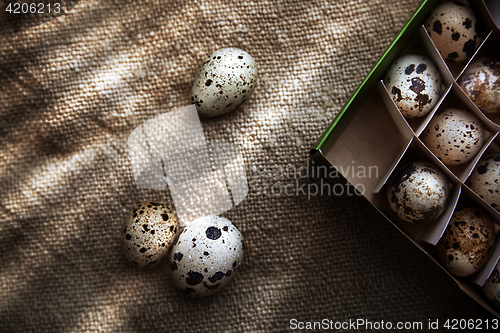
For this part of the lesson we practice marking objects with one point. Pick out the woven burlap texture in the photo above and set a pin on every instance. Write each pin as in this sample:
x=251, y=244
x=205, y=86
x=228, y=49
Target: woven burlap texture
x=73, y=89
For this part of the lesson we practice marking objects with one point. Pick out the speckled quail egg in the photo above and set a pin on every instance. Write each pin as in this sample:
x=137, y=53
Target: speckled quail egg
x=418, y=192
x=414, y=84
x=491, y=287
x=467, y=242
x=481, y=82
x=206, y=255
x=455, y=136
x=149, y=232
x=226, y=79
x=485, y=179
x=454, y=30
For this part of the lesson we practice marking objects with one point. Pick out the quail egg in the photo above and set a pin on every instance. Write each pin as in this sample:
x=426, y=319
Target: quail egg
x=206, y=255
x=148, y=234
x=467, y=242
x=481, y=82
x=226, y=79
x=485, y=179
x=454, y=30
x=414, y=84
x=418, y=192
x=454, y=136
x=491, y=287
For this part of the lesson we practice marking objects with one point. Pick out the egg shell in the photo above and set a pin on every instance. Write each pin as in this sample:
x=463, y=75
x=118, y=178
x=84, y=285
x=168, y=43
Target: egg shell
x=485, y=179
x=481, y=82
x=418, y=192
x=206, y=256
x=414, y=84
x=491, y=287
x=455, y=31
x=467, y=242
x=148, y=233
x=226, y=79
x=455, y=136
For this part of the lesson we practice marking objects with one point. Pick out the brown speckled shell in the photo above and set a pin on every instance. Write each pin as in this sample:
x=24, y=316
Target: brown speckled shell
x=481, y=82
x=455, y=136
x=148, y=233
x=467, y=242
x=454, y=30
x=485, y=179
x=414, y=84
x=206, y=256
x=226, y=79
x=418, y=192
x=491, y=288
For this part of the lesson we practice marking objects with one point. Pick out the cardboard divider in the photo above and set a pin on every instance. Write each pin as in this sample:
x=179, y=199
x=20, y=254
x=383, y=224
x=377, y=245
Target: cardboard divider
x=453, y=100
x=400, y=120
x=435, y=56
x=480, y=49
x=381, y=144
x=416, y=125
x=454, y=68
x=428, y=51
x=417, y=231
x=385, y=177
x=434, y=160
x=490, y=50
x=468, y=104
x=436, y=229
x=414, y=231
x=493, y=148
x=467, y=171
x=473, y=198
x=467, y=197
x=476, y=293
x=483, y=50
x=439, y=163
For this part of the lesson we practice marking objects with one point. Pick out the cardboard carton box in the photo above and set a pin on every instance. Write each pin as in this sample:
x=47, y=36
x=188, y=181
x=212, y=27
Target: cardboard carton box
x=370, y=137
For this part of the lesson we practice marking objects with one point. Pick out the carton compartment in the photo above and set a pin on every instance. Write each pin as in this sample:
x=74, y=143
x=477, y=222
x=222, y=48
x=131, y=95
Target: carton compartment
x=421, y=45
x=489, y=50
x=419, y=233
x=493, y=148
x=368, y=160
x=453, y=100
x=417, y=125
x=469, y=198
x=456, y=68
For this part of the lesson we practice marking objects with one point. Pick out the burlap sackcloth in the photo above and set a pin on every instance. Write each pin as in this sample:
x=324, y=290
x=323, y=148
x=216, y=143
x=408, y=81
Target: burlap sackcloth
x=73, y=89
